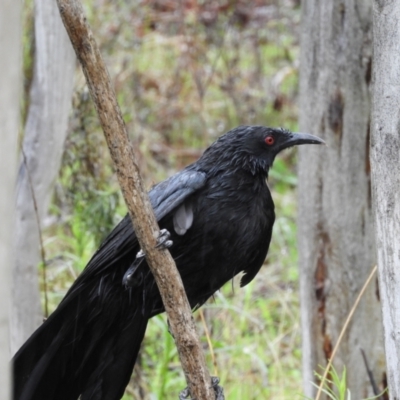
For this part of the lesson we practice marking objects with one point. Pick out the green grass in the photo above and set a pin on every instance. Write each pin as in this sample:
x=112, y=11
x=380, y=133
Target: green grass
x=335, y=387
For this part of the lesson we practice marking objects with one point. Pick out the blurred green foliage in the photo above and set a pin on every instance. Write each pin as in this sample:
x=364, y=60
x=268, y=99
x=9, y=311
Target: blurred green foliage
x=184, y=73
x=335, y=386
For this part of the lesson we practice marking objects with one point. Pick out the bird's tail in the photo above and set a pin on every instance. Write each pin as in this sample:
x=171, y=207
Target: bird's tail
x=80, y=351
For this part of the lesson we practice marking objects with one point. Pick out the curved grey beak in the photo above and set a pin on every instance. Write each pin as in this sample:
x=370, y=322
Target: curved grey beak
x=305, y=138
x=297, y=138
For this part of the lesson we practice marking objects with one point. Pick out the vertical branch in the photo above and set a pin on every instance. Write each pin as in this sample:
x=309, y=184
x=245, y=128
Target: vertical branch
x=10, y=84
x=45, y=131
x=385, y=168
x=39, y=227
x=335, y=235
x=160, y=262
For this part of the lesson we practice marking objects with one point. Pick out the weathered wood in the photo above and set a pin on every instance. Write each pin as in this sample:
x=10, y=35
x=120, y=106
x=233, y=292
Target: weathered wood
x=385, y=166
x=336, y=242
x=146, y=228
x=10, y=84
x=43, y=144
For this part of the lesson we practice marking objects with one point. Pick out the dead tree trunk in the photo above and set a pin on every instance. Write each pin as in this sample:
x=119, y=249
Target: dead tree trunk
x=336, y=243
x=10, y=84
x=45, y=131
x=385, y=164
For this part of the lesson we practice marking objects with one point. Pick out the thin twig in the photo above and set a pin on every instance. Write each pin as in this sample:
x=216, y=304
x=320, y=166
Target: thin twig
x=145, y=224
x=42, y=251
x=370, y=375
x=346, y=324
x=210, y=345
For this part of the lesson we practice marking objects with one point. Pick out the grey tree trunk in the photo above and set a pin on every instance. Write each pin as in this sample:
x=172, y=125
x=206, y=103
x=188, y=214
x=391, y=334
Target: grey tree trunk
x=336, y=242
x=45, y=131
x=10, y=84
x=385, y=165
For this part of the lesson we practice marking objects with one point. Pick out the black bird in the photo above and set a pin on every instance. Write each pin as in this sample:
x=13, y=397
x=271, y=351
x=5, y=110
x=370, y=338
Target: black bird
x=219, y=212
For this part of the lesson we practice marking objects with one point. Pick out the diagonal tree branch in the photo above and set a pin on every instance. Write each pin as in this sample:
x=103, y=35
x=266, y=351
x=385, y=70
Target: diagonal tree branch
x=146, y=228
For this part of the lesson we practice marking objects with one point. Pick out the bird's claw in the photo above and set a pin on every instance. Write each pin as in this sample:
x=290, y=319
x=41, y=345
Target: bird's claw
x=219, y=391
x=163, y=241
x=131, y=277
x=184, y=394
x=140, y=254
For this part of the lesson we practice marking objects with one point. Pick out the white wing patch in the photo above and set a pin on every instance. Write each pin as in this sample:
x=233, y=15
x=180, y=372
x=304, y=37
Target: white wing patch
x=183, y=218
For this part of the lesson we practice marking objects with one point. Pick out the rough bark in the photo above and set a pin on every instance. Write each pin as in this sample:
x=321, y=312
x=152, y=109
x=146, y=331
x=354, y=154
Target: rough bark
x=385, y=165
x=336, y=243
x=45, y=132
x=10, y=84
x=146, y=228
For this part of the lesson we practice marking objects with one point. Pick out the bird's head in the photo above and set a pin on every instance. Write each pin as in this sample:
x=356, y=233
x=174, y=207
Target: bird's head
x=254, y=147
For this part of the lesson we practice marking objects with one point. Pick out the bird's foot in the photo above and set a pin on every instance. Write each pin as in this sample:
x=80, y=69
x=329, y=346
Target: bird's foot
x=163, y=241
x=131, y=277
x=219, y=391
x=140, y=254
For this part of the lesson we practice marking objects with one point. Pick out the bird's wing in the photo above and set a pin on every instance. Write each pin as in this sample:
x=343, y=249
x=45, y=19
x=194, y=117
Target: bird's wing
x=164, y=198
x=172, y=192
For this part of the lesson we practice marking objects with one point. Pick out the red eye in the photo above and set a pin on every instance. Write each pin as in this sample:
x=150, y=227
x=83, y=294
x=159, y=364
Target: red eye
x=269, y=140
